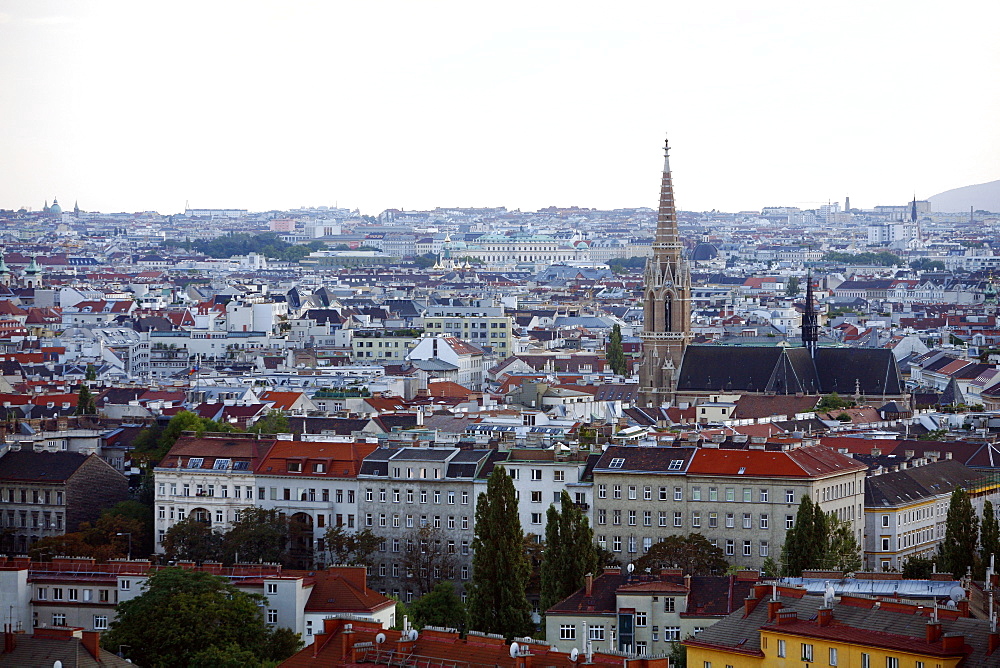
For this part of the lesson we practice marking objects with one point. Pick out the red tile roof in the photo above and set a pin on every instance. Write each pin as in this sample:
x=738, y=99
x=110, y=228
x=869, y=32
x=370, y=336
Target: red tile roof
x=341, y=460
x=807, y=461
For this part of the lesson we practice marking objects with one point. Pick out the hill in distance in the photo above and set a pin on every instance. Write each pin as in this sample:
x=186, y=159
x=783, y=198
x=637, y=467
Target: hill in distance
x=984, y=196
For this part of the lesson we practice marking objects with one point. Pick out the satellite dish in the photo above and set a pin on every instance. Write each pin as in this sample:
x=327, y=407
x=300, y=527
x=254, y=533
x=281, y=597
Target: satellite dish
x=515, y=649
x=380, y=638
x=413, y=634
x=951, y=605
x=573, y=654
x=630, y=568
x=956, y=593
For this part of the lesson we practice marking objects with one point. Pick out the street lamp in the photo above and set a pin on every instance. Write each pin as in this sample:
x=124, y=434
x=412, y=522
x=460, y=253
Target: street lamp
x=129, y=534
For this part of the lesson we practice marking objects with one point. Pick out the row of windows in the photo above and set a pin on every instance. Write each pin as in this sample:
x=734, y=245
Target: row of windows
x=762, y=522
x=411, y=495
x=730, y=494
x=32, y=496
x=399, y=521
x=807, y=653
x=631, y=545
x=596, y=631
x=73, y=594
x=20, y=519
x=537, y=474
x=384, y=570
x=59, y=619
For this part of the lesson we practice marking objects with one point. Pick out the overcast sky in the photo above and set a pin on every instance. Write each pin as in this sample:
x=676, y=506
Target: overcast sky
x=129, y=106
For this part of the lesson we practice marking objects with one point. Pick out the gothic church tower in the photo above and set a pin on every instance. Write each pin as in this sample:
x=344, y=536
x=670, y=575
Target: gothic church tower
x=666, y=303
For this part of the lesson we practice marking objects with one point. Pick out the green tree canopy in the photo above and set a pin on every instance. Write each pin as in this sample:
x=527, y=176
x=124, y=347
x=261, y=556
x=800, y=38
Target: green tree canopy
x=792, y=286
x=880, y=259
x=927, y=264
x=439, y=607
x=355, y=547
x=616, y=355
x=989, y=539
x=86, y=404
x=191, y=540
x=258, y=536
x=961, y=536
x=191, y=618
x=842, y=550
x=275, y=422
x=500, y=570
x=569, y=554
x=693, y=554
x=805, y=542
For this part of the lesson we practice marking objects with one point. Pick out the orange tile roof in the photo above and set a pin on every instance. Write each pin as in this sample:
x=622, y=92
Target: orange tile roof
x=341, y=460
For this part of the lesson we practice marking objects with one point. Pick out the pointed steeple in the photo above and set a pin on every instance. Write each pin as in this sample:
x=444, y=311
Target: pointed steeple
x=667, y=245
x=913, y=209
x=810, y=323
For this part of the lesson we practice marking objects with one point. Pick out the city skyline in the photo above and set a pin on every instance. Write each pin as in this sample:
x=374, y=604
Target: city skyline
x=273, y=106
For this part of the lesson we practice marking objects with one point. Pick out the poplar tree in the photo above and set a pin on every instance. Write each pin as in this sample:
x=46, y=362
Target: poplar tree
x=989, y=537
x=570, y=552
x=497, y=602
x=801, y=550
x=961, y=535
x=616, y=354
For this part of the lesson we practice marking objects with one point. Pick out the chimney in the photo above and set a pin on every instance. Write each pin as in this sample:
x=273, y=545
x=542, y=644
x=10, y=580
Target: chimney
x=687, y=582
x=773, y=606
x=963, y=607
x=825, y=616
x=749, y=605
x=933, y=631
x=347, y=643
x=9, y=639
x=992, y=642
x=589, y=580
x=92, y=641
x=787, y=617
x=953, y=642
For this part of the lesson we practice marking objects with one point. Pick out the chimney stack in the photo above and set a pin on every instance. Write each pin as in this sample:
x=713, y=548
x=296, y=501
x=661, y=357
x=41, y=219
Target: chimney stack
x=589, y=580
x=952, y=642
x=933, y=631
x=773, y=606
x=825, y=616
x=92, y=641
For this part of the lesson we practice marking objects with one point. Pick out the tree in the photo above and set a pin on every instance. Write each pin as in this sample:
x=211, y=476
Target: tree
x=678, y=655
x=918, y=568
x=927, y=264
x=439, y=607
x=989, y=538
x=142, y=543
x=91, y=373
x=496, y=600
x=188, y=618
x=833, y=401
x=275, y=422
x=105, y=539
x=842, y=551
x=961, y=535
x=803, y=547
x=616, y=355
x=569, y=554
x=258, y=536
x=191, y=540
x=428, y=559
x=792, y=286
x=355, y=548
x=692, y=553
x=85, y=402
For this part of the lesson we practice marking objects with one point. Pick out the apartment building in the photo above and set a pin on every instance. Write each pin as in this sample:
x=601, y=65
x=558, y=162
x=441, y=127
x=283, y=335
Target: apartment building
x=382, y=346
x=403, y=491
x=44, y=494
x=540, y=477
x=315, y=484
x=209, y=478
x=483, y=324
x=742, y=501
x=906, y=510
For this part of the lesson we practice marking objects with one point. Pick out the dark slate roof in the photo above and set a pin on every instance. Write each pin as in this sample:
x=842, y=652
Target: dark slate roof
x=422, y=454
x=319, y=425
x=377, y=463
x=625, y=392
x=916, y=483
x=40, y=466
x=648, y=460
x=779, y=370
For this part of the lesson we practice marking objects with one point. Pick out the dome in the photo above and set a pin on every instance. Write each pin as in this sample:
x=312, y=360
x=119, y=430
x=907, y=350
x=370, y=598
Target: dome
x=55, y=208
x=704, y=252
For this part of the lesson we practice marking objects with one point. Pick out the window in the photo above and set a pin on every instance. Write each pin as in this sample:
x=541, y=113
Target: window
x=663, y=494
x=763, y=520
x=833, y=656
x=100, y=622
x=747, y=521
x=58, y=619
x=713, y=493
x=616, y=517
x=125, y=585
x=640, y=619
x=763, y=548
x=747, y=495
x=272, y=587
x=789, y=521
x=272, y=616
x=602, y=491
x=885, y=544
x=696, y=519
x=678, y=494
x=647, y=493
x=675, y=465
x=616, y=463
x=885, y=520
x=616, y=544
x=781, y=648
x=696, y=493
x=891, y=662
x=536, y=518
x=596, y=632
x=678, y=518
x=713, y=520
x=730, y=547
x=465, y=498
x=789, y=496
x=423, y=496
x=747, y=548
x=730, y=520
x=763, y=496
x=663, y=518
x=669, y=604
x=536, y=497
x=866, y=660
x=567, y=631
x=631, y=492
x=536, y=474
x=602, y=516
x=631, y=518
x=43, y=593
x=671, y=633
x=807, y=652
x=515, y=474
x=368, y=495
x=616, y=492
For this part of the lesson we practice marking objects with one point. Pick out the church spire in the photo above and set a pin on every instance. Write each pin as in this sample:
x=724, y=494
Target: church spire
x=667, y=245
x=810, y=323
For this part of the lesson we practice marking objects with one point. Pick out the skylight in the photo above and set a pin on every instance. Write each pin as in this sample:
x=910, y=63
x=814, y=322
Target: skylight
x=675, y=464
x=616, y=463
x=195, y=462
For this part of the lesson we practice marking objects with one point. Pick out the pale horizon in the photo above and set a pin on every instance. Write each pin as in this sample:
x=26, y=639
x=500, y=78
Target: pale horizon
x=415, y=105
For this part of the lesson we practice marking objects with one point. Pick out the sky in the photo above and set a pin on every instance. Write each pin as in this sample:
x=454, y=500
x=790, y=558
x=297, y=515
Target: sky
x=134, y=106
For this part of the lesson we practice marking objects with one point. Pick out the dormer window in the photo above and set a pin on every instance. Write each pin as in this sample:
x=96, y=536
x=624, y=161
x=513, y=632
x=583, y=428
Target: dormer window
x=195, y=462
x=319, y=468
x=222, y=464
x=294, y=467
